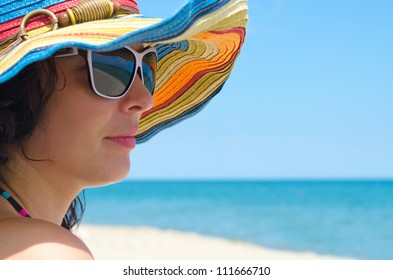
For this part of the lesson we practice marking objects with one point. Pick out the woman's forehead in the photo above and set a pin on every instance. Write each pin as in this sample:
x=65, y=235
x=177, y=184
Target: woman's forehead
x=138, y=47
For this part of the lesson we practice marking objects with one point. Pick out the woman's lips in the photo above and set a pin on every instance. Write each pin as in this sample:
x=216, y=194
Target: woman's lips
x=128, y=142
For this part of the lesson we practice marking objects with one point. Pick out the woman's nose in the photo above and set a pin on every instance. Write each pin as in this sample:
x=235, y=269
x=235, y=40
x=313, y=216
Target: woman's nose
x=138, y=98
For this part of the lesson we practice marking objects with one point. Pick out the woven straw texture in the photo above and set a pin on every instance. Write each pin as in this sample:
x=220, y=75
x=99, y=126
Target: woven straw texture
x=197, y=48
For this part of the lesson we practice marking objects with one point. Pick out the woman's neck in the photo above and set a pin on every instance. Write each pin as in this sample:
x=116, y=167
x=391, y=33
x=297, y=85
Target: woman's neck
x=43, y=190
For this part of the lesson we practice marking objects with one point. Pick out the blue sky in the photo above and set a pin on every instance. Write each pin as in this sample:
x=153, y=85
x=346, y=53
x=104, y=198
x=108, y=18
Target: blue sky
x=311, y=97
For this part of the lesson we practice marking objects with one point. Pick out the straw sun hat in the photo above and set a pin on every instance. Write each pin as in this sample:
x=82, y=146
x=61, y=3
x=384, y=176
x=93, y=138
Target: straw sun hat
x=196, y=47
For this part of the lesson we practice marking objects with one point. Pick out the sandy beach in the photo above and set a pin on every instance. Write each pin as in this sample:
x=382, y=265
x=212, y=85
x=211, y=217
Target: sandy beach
x=113, y=242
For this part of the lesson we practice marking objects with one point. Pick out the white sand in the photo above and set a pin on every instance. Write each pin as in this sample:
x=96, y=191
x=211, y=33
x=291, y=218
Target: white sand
x=110, y=242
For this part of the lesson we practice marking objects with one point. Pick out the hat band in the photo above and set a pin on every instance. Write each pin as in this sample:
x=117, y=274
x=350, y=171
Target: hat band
x=83, y=11
x=11, y=24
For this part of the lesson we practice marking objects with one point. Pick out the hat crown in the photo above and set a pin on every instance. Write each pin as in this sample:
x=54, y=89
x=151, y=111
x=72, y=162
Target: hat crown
x=13, y=11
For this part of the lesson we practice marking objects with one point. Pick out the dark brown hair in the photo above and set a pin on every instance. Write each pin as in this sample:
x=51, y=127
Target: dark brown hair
x=22, y=100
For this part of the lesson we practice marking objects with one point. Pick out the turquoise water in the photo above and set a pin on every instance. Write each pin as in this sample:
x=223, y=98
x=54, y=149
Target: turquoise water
x=350, y=218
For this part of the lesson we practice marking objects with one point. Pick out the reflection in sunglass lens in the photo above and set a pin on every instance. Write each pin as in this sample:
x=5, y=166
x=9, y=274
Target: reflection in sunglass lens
x=149, y=68
x=113, y=71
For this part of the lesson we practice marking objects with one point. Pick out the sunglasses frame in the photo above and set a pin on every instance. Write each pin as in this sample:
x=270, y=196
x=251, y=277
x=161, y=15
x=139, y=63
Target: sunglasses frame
x=87, y=55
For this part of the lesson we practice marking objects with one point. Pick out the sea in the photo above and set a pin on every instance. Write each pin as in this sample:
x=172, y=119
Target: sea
x=350, y=219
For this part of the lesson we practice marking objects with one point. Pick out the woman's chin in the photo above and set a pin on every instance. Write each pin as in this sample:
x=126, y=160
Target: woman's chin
x=110, y=175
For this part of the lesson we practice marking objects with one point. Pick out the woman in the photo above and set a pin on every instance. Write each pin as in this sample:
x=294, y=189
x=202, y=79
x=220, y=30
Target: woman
x=74, y=100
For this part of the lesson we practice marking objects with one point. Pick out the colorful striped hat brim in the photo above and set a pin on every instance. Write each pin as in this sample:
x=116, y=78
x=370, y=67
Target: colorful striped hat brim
x=196, y=47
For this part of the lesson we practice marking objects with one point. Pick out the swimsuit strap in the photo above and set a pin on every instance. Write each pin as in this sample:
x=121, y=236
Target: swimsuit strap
x=14, y=204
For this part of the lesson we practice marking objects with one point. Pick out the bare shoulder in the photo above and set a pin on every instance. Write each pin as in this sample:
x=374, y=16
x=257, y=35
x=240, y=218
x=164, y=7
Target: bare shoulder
x=36, y=239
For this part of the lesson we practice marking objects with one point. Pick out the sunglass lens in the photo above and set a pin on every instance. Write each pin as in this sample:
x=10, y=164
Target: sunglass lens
x=113, y=71
x=149, y=68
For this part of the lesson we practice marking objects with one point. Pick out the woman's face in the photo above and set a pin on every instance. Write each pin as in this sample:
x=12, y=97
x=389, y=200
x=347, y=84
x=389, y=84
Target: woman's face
x=86, y=136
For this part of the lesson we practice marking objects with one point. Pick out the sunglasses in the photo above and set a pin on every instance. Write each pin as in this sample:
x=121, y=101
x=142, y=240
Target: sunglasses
x=111, y=74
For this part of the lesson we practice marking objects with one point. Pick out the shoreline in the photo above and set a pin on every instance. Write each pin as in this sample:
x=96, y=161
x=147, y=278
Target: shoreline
x=144, y=243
